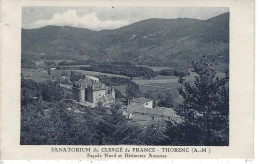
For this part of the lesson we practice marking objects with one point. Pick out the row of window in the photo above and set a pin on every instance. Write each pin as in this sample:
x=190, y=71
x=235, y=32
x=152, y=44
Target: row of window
x=169, y=118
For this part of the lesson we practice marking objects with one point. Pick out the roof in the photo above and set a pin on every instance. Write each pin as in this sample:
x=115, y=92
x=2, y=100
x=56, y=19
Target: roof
x=162, y=111
x=64, y=77
x=92, y=78
x=141, y=100
x=167, y=111
x=98, y=86
x=83, y=83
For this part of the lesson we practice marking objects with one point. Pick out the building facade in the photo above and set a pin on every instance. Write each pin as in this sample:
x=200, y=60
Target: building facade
x=145, y=113
x=147, y=103
x=91, y=92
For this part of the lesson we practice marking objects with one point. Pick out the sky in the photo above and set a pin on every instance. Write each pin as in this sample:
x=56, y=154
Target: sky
x=100, y=18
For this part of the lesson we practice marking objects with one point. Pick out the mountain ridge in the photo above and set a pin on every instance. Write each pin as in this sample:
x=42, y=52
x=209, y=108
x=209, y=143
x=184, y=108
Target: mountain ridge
x=154, y=42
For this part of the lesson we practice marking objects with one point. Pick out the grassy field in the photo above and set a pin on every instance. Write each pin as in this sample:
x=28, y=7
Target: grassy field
x=155, y=81
x=158, y=83
x=155, y=68
x=38, y=75
x=41, y=62
x=41, y=75
x=92, y=73
x=72, y=66
x=167, y=82
x=163, y=84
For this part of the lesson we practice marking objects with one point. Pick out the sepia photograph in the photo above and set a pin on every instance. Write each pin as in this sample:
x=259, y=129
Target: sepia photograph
x=124, y=76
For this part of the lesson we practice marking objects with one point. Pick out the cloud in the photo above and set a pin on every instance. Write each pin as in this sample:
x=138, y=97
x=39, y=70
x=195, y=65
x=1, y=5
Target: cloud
x=88, y=20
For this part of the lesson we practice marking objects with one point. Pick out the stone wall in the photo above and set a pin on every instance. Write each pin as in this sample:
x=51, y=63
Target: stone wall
x=97, y=95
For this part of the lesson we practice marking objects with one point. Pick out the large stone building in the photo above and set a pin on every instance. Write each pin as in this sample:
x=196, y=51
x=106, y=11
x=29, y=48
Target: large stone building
x=91, y=92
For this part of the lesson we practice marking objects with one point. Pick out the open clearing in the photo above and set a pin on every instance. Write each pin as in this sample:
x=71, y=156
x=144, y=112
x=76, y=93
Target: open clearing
x=93, y=73
x=38, y=75
x=41, y=62
x=161, y=81
x=155, y=68
x=41, y=75
x=158, y=82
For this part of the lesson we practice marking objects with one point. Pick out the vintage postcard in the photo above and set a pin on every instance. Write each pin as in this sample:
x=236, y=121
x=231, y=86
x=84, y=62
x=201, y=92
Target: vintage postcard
x=107, y=80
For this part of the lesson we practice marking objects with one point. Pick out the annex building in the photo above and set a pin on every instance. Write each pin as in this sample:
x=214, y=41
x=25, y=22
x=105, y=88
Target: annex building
x=141, y=110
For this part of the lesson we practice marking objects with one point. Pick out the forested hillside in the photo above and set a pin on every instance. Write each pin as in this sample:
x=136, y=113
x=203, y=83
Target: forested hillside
x=154, y=42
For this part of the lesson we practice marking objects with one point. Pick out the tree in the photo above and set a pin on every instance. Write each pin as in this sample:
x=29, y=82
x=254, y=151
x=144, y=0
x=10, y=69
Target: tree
x=49, y=72
x=169, y=100
x=132, y=90
x=184, y=134
x=29, y=90
x=63, y=73
x=155, y=134
x=49, y=122
x=51, y=91
x=114, y=129
x=49, y=63
x=118, y=94
x=75, y=76
x=204, y=96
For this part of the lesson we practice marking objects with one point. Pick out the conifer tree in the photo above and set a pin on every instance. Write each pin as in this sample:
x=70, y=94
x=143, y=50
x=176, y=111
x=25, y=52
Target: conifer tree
x=206, y=96
x=132, y=90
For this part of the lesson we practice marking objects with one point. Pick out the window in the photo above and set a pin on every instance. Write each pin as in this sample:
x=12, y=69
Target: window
x=152, y=117
x=142, y=113
x=146, y=103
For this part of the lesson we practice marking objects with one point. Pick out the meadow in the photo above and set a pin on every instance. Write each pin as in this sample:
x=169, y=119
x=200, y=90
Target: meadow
x=155, y=87
x=155, y=68
x=41, y=74
x=38, y=75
